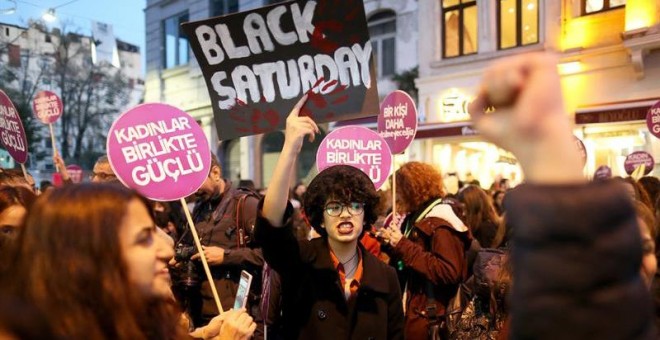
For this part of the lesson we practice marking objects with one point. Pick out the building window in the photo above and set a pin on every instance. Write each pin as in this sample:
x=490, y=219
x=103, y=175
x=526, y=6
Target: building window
x=518, y=23
x=223, y=7
x=382, y=30
x=595, y=6
x=175, y=41
x=459, y=27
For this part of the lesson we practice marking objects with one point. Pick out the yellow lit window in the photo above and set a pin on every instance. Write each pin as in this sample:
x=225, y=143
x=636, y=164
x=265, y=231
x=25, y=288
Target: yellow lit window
x=595, y=6
x=518, y=23
x=459, y=27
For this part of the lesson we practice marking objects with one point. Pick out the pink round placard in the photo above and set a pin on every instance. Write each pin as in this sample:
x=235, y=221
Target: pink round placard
x=636, y=159
x=12, y=134
x=47, y=107
x=603, y=172
x=397, y=121
x=359, y=147
x=653, y=119
x=579, y=145
x=75, y=173
x=160, y=151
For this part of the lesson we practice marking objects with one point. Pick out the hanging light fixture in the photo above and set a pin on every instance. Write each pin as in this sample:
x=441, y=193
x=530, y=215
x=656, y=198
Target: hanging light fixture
x=50, y=16
x=8, y=7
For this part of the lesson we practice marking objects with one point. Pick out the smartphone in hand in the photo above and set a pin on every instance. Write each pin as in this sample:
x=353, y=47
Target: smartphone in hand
x=243, y=290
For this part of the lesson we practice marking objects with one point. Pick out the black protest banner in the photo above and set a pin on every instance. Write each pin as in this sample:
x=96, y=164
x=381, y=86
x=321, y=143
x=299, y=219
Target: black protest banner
x=258, y=63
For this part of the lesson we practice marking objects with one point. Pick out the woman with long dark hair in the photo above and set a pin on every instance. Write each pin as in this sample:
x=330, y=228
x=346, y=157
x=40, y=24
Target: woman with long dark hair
x=480, y=214
x=90, y=260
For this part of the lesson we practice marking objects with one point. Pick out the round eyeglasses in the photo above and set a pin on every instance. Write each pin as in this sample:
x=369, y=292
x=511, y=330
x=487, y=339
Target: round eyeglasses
x=335, y=208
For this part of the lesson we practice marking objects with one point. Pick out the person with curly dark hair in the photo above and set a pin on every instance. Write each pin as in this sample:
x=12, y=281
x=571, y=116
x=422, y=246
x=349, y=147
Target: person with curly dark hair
x=431, y=248
x=331, y=287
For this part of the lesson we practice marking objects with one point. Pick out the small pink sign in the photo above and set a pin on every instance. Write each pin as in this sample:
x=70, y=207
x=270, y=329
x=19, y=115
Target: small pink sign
x=653, y=119
x=12, y=134
x=160, y=151
x=603, y=172
x=399, y=220
x=47, y=106
x=397, y=121
x=75, y=173
x=581, y=149
x=636, y=159
x=359, y=147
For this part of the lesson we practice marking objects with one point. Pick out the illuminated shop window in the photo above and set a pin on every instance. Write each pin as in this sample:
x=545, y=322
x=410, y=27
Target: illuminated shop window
x=595, y=6
x=459, y=27
x=518, y=23
x=382, y=30
x=175, y=41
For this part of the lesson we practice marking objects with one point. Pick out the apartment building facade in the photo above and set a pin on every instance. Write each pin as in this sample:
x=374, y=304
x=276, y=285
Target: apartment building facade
x=609, y=54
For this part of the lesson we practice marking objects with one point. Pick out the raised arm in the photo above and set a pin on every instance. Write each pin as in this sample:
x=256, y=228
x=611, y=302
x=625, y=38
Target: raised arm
x=278, y=189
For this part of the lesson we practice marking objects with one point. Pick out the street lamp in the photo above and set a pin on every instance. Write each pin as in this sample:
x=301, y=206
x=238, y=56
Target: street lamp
x=50, y=16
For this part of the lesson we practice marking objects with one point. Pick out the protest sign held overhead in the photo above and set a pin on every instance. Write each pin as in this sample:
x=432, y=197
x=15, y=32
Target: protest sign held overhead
x=653, y=119
x=160, y=151
x=397, y=121
x=258, y=63
x=12, y=134
x=47, y=107
x=75, y=173
x=639, y=159
x=359, y=147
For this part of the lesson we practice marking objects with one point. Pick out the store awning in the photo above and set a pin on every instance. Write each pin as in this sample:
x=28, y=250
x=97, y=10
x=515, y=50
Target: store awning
x=438, y=130
x=623, y=111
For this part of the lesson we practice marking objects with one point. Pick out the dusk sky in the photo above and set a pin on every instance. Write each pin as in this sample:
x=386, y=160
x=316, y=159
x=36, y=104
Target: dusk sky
x=126, y=16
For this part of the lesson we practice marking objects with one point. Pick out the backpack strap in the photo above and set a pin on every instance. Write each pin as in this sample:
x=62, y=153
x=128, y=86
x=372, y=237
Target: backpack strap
x=240, y=218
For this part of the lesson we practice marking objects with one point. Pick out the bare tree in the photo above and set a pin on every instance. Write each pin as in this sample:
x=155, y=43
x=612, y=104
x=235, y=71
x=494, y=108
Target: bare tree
x=91, y=93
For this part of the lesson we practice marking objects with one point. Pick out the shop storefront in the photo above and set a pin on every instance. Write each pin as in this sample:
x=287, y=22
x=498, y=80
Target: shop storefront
x=612, y=131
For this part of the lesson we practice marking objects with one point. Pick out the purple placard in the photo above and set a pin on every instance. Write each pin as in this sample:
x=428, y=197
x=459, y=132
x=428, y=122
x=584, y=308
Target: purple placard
x=359, y=147
x=47, y=106
x=12, y=133
x=75, y=173
x=160, y=151
x=603, y=172
x=636, y=159
x=397, y=121
x=653, y=119
x=581, y=149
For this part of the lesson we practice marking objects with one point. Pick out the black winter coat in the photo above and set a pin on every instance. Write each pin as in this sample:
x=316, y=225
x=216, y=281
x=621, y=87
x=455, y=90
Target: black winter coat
x=313, y=303
x=577, y=252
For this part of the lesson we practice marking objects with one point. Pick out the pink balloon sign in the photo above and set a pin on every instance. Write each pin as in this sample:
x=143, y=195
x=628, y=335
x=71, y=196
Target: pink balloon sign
x=359, y=147
x=636, y=159
x=579, y=145
x=47, y=106
x=603, y=172
x=160, y=151
x=653, y=119
x=12, y=134
x=397, y=121
x=75, y=173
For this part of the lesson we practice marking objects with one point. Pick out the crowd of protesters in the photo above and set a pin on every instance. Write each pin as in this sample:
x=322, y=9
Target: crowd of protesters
x=556, y=257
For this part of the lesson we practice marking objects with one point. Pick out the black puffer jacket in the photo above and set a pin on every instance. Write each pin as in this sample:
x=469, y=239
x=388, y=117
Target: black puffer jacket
x=576, y=264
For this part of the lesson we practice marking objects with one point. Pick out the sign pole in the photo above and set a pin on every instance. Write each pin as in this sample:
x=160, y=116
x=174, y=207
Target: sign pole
x=205, y=264
x=24, y=172
x=394, y=215
x=52, y=140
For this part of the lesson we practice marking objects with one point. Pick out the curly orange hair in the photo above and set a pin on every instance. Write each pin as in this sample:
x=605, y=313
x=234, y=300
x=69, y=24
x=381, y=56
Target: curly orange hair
x=416, y=184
